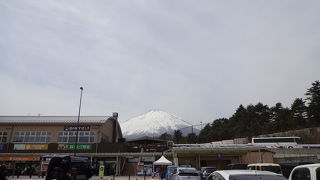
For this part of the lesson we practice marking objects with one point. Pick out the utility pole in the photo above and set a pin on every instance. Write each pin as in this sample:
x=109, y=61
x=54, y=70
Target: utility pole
x=76, y=143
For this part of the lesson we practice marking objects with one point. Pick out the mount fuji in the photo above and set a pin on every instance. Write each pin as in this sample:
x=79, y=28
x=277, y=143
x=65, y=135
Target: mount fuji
x=153, y=124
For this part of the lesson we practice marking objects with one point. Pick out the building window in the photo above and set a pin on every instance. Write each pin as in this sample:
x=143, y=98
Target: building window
x=3, y=137
x=32, y=136
x=70, y=137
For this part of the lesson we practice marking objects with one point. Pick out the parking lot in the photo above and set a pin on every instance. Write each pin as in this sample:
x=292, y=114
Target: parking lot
x=93, y=178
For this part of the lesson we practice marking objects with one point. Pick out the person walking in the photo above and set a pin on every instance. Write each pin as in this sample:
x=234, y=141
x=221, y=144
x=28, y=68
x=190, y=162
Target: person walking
x=3, y=172
x=18, y=171
x=30, y=171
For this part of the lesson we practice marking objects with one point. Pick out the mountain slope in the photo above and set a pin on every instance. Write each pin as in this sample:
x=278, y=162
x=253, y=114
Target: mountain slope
x=153, y=124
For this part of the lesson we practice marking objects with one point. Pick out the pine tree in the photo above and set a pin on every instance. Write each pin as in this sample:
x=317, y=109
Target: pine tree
x=313, y=101
x=192, y=138
x=239, y=122
x=281, y=117
x=177, y=136
x=165, y=137
x=298, y=114
x=204, y=136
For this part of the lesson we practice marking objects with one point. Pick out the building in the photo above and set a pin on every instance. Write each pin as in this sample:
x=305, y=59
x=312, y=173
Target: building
x=29, y=140
x=218, y=155
x=25, y=139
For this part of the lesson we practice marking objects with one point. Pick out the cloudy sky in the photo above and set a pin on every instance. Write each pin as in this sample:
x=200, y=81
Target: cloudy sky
x=198, y=60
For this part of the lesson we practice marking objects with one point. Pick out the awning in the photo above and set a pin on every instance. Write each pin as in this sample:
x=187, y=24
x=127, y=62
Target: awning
x=162, y=161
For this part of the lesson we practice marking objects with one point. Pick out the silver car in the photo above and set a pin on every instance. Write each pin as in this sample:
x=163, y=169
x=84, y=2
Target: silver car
x=244, y=175
x=186, y=174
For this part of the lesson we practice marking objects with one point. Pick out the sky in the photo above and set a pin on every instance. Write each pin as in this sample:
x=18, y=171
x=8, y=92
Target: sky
x=198, y=60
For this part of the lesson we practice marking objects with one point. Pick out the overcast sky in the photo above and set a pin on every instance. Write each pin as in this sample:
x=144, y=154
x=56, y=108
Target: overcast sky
x=198, y=60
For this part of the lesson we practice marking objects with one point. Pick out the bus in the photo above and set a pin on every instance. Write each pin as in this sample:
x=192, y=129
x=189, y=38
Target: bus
x=278, y=142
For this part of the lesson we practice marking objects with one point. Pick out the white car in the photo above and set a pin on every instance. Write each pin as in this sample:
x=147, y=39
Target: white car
x=305, y=172
x=245, y=175
x=186, y=174
x=272, y=167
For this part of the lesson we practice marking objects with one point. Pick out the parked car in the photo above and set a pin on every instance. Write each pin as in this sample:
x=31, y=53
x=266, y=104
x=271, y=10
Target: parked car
x=68, y=167
x=186, y=174
x=236, y=166
x=244, y=175
x=171, y=170
x=272, y=167
x=206, y=171
x=306, y=172
x=288, y=167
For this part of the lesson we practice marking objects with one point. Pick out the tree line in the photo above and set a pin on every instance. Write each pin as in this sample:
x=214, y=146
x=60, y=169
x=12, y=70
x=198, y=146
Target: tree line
x=258, y=119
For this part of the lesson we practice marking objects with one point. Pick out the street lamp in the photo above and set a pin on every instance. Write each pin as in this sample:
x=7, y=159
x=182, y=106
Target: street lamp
x=76, y=143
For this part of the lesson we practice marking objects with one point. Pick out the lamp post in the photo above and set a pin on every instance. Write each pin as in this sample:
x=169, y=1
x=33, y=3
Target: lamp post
x=76, y=143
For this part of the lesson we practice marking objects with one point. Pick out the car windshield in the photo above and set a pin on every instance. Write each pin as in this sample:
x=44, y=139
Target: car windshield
x=209, y=170
x=275, y=169
x=256, y=177
x=172, y=169
x=237, y=166
x=188, y=172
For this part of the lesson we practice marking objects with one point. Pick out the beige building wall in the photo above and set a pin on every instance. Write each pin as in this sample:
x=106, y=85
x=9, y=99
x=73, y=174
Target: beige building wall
x=107, y=129
x=258, y=157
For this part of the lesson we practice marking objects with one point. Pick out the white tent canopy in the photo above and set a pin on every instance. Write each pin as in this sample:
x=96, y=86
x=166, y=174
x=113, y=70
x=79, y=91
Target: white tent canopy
x=162, y=161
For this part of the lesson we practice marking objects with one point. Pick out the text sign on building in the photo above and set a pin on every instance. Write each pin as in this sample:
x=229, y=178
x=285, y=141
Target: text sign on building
x=30, y=147
x=71, y=147
x=19, y=158
x=36, y=146
x=148, y=159
x=74, y=128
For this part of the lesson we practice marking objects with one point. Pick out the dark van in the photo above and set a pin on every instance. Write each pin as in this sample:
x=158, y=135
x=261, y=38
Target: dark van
x=69, y=168
x=206, y=171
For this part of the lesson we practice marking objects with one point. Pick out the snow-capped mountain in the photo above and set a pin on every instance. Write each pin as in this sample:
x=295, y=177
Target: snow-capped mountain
x=152, y=124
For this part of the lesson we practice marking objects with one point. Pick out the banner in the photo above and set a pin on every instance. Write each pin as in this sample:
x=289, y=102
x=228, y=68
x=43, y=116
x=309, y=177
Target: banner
x=30, y=147
x=17, y=158
x=71, y=146
x=36, y=146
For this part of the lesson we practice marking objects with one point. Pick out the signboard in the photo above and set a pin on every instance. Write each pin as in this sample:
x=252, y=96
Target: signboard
x=148, y=159
x=132, y=160
x=36, y=146
x=19, y=147
x=71, y=146
x=30, y=147
x=25, y=158
x=74, y=128
x=101, y=170
x=1, y=147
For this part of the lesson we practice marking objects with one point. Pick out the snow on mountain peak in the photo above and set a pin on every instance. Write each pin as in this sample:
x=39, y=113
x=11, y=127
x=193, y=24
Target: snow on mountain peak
x=153, y=123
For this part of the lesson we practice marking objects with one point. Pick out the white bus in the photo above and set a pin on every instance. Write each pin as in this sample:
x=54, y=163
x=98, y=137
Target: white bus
x=278, y=142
